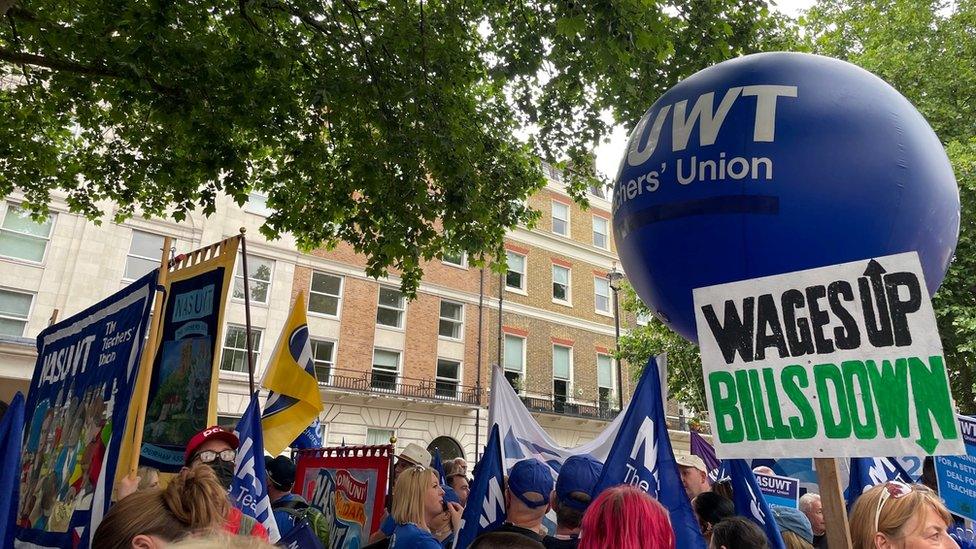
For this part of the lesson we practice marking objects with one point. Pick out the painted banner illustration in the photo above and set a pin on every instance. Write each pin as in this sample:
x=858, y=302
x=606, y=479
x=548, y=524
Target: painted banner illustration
x=348, y=484
x=75, y=414
x=183, y=382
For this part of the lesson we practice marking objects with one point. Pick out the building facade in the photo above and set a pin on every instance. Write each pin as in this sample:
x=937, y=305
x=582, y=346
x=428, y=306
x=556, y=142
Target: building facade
x=417, y=370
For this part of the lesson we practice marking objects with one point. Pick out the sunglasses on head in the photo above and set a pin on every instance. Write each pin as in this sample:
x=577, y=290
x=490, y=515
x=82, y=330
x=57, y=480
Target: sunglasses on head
x=893, y=489
x=209, y=456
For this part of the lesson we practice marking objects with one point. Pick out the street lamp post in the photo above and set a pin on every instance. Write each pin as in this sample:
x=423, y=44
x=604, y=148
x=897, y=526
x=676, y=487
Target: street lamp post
x=614, y=277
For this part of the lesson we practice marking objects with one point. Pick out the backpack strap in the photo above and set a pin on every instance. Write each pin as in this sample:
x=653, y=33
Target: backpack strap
x=290, y=506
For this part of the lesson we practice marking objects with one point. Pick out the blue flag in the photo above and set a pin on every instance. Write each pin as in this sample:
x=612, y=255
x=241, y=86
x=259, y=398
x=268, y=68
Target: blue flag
x=438, y=465
x=868, y=472
x=749, y=501
x=641, y=456
x=300, y=537
x=486, y=502
x=11, y=437
x=249, y=489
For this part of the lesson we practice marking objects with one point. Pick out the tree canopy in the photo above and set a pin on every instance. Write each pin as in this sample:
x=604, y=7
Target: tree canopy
x=927, y=51
x=388, y=125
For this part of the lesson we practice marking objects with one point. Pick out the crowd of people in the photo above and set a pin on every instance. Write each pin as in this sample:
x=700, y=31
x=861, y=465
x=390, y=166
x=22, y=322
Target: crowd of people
x=193, y=510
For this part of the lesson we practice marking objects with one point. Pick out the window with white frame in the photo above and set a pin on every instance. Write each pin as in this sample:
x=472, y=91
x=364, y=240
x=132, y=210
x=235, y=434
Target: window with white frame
x=259, y=273
x=378, y=437
x=560, y=283
x=145, y=250
x=601, y=291
x=560, y=218
x=514, y=361
x=386, y=368
x=23, y=238
x=234, y=356
x=448, y=378
x=15, y=309
x=601, y=232
x=390, y=309
x=257, y=203
x=515, y=277
x=604, y=381
x=458, y=259
x=562, y=365
x=323, y=358
x=451, y=320
x=325, y=294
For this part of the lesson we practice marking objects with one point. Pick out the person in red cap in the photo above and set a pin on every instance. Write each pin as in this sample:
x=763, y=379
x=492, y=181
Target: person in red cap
x=217, y=449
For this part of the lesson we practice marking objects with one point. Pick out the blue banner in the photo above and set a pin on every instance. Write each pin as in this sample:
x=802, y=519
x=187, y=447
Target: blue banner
x=76, y=415
x=868, y=472
x=182, y=375
x=749, y=501
x=249, y=489
x=957, y=474
x=641, y=456
x=779, y=490
x=11, y=437
x=486, y=502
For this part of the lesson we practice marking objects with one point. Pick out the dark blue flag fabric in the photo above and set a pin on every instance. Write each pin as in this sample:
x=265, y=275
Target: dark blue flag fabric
x=868, y=472
x=11, y=436
x=249, y=489
x=300, y=537
x=641, y=456
x=310, y=438
x=749, y=501
x=438, y=465
x=486, y=502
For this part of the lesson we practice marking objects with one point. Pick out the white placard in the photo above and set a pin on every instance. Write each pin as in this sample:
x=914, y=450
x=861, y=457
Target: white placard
x=838, y=361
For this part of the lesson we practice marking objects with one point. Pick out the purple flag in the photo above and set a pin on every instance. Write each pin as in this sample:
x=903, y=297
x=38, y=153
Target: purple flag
x=701, y=448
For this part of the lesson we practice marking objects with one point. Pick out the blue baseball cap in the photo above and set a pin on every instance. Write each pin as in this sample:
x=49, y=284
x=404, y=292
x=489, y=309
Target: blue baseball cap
x=578, y=474
x=531, y=476
x=788, y=518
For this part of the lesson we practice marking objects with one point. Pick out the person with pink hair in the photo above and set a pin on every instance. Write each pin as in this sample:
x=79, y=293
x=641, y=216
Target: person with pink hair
x=624, y=517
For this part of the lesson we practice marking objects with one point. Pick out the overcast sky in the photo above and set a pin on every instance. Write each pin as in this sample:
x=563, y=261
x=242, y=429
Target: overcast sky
x=608, y=154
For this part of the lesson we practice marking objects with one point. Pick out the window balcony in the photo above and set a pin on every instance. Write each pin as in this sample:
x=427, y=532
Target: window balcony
x=382, y=383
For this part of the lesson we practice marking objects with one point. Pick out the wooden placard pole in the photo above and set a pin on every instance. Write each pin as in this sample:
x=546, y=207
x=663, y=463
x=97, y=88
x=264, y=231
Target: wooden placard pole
x=832, y=500
x=148, y=358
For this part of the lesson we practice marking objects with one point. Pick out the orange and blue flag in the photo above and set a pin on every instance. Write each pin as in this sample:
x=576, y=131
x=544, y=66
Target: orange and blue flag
x=294, y=403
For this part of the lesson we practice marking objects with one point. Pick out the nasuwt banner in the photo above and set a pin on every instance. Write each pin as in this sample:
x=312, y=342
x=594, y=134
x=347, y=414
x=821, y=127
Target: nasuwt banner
x=183, y=379
x=76, y=411
x=957, y=474
x=347, y=484
x=779, y=490
x=837, y=361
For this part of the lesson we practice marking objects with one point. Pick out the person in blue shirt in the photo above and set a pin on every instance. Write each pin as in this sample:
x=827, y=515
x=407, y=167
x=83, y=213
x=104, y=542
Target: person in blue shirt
x=417, y=501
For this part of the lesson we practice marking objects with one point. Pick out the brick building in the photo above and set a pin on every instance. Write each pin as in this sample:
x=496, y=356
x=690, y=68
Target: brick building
x=417, y=370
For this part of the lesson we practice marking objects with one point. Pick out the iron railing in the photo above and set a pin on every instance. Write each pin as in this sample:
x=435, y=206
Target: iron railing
x=383, y=383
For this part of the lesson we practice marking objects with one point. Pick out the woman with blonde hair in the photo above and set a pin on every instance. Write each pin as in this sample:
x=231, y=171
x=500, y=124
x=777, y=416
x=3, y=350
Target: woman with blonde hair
x=192, y=502
x=417, y=501
x=900, y=515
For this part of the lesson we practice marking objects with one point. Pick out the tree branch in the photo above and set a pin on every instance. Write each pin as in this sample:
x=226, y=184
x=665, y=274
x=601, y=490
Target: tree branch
x=80, y=68
x=6, y=5
x=56, y=64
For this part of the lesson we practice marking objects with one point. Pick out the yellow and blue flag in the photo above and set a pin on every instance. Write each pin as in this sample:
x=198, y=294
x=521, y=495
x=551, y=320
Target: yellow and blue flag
x=294, y=403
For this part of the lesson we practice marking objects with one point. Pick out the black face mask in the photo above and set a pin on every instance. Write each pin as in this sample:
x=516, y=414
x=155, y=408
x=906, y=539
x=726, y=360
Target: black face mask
x=224, y=471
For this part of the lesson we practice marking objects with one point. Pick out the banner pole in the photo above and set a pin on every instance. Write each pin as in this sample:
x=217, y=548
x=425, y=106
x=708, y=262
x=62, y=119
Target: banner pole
x=247, y=313
x=143, y=375
x=477, y=411
x=832, y=499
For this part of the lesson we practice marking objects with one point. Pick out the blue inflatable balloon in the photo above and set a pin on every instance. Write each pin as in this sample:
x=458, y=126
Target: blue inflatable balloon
x=773, y=163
